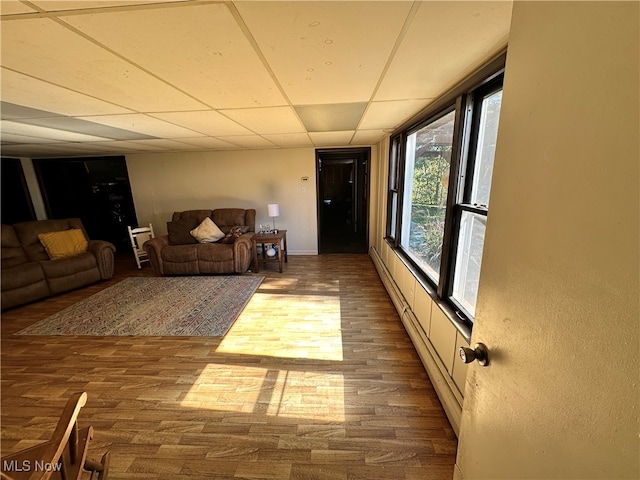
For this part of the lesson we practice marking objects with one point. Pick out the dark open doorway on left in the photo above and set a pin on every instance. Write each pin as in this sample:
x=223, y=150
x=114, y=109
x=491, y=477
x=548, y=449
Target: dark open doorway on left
x=95, y=189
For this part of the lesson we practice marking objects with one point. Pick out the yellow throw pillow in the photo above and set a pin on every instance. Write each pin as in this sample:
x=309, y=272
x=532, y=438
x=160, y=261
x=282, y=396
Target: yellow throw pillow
x=65, y=243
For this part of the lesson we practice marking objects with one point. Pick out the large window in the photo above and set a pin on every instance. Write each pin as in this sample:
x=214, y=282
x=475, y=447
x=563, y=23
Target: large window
x=427, y=165
x=471, y=213
x=440, y=173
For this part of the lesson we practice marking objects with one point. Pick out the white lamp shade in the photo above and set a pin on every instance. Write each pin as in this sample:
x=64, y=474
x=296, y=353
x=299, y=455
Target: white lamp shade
x=273, y=210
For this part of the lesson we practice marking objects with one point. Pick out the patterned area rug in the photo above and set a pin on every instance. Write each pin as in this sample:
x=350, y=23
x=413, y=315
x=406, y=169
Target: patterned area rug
x=156, y=306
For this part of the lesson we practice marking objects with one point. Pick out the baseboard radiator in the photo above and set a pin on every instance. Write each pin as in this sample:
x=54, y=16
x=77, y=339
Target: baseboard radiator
x=442, y=382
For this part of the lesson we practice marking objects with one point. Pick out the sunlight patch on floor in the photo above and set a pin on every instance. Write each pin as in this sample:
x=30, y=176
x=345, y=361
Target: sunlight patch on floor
x=289, y=283
x=288, y=326
x=283, y=283
x=275, y=393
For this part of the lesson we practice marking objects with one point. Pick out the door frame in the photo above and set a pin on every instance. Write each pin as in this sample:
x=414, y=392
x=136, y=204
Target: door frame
x=363, y=153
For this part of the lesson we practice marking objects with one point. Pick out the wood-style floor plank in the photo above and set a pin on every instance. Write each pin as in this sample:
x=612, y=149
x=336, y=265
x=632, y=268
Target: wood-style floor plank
x=317, y=379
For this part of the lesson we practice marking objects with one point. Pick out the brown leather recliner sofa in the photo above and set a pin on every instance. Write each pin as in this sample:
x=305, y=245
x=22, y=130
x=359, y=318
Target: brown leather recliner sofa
x=178, y=253
x=28, y=274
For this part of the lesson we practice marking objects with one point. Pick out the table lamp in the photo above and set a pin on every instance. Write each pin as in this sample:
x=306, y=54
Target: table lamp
x=273, y=210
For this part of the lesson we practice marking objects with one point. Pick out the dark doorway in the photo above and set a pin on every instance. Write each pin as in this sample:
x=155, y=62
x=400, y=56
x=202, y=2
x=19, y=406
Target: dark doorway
x=343, y=200
x=95, y=189
x=16, y=200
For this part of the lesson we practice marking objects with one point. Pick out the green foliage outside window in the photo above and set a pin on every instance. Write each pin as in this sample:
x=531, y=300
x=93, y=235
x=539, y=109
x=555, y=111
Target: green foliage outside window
x=428, y=205
x=420, y=164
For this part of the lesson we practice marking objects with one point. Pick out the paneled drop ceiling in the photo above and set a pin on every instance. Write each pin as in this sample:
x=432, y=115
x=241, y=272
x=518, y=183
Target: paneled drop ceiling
x=114, y=77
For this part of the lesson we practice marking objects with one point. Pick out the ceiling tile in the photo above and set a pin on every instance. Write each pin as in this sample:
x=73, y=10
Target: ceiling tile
x=141, y=123
x=381, y=115
x=57, y=55
x=207, y=122
x=445, y=42
x=208, y=143
x=75, y=125
x=163, y=144
x=44, y=132
x=368, y=137
x=57, y=5
x=57, y=150
x=13, y=7
x=122, y=69
x=18, y=138
x=124, y=146
x=121, y=148
x=105, y=148
x=248, y=141
x=331, y=139
x=326, y=52
x=11, y=111
x=24, y=90
x=290, y=140
x=326, y=118
x=267, y=120
x=177, y=44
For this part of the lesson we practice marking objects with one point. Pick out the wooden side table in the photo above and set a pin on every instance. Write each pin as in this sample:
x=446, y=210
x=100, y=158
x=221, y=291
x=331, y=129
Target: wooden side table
x=279, y=238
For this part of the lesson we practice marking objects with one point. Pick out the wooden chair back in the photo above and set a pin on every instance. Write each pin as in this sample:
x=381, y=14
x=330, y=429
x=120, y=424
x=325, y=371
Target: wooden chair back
x=138, y=236
x=63, y=457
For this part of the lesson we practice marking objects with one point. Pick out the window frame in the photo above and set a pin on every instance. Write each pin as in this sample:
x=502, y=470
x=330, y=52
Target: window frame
x=464, y=100
x=446, y=110
x=467, y=165
x=392, y=223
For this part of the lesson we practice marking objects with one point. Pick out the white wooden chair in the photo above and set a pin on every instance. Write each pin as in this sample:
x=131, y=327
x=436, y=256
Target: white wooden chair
x=138, y=236
x=63, y=457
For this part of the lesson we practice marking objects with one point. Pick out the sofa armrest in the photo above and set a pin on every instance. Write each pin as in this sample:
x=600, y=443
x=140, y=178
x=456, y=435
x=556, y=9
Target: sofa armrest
x=243, y=252
x=154, y=247
x=103, y=251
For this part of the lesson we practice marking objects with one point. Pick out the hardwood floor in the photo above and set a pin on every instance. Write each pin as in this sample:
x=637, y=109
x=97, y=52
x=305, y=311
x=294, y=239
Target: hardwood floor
x=317, y=379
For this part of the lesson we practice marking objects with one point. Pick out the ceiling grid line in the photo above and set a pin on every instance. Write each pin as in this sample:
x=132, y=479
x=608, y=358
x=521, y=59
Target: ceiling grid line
x=122, y=57
x=205, y=75
x=66, y=88
x=41, y=13
x=400, y=38
x=254, y=44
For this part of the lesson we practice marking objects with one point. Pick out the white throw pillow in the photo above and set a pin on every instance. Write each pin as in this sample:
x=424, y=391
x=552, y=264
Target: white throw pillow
x=207, y=232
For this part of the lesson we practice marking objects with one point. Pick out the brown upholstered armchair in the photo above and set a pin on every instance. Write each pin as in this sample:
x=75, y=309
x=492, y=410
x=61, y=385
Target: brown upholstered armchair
x=178, y=253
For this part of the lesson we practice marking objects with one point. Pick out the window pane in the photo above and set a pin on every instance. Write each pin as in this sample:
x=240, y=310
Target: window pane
x=468, y=260
x=393, y=165
x=394, y=210
x=487, y=135
x=427, y=164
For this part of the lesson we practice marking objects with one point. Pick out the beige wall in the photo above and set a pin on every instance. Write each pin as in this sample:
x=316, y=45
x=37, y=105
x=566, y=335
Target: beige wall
x=164, y=183
x=380, y=175
x=558, y=300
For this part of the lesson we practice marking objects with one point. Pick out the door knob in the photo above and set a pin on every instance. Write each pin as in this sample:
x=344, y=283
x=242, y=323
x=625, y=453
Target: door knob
x=479, y=353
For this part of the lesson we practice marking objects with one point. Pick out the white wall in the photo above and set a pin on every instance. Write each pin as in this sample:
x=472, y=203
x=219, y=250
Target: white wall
x=165, y=183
